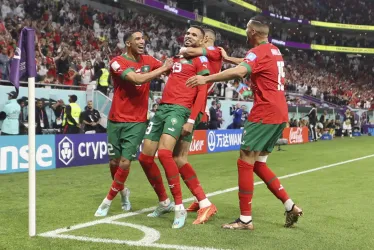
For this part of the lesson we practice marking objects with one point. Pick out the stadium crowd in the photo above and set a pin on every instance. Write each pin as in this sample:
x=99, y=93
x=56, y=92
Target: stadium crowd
x=338, y=11
x=76, y=42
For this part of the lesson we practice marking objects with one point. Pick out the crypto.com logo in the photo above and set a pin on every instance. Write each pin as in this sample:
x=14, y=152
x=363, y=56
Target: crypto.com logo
x=66, y=150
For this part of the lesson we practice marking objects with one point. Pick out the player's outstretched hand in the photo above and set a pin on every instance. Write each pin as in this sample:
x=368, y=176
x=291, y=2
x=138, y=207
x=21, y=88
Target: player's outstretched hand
x=168, y=64
x=187, y=129
x=223, y=52
x=195, y=81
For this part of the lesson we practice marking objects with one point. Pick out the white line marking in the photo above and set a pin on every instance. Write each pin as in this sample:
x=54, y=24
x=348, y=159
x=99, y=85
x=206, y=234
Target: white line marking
x=57, y=233
x=150, y=235
x=131, y=243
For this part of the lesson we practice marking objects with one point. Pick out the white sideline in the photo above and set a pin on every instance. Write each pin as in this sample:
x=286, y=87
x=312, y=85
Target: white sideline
x=152, y=235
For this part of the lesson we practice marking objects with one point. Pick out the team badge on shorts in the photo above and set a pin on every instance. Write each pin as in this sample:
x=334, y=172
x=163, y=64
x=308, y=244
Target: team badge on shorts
x=174, y=121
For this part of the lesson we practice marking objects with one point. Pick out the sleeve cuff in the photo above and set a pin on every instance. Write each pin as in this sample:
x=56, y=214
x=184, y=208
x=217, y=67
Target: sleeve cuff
x=191, y=121
x=124, y=73
x=204, y=72
x=248, y=67
x=204, y=52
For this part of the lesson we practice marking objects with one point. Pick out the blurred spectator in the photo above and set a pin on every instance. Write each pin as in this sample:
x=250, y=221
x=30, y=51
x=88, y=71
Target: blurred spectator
x=4, y=63
x=213, y=119
x=236, y=111
x=91, y=119
x=219, y=115
x=102, y=77
x=59, y=111
x=10, y=115
x=153, y=111
x=41, y=118
x=71, y=117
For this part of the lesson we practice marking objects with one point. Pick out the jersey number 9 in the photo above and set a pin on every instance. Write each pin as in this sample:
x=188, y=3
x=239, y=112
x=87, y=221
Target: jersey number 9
x=281, y=75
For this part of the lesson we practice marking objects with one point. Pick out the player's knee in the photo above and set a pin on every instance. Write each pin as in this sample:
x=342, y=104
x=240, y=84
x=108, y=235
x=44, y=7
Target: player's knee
x=180, y=161
x=124, y=163
x=249, y=156
x=113, y=163
x=164, y=154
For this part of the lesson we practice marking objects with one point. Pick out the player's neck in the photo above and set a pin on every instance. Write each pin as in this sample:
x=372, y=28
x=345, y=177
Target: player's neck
x=261, y=41
x=132, y=57
x=209, y=44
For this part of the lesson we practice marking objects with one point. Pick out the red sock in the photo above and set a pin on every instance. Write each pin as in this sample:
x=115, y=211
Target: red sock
x=154, y=175
x=113, y=171
x=271, y=180
x=172, y=173
x=189, y=177
x=246, y=186
x=118, y=183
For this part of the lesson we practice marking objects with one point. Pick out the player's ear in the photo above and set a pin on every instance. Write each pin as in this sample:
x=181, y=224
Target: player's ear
x=128, y=43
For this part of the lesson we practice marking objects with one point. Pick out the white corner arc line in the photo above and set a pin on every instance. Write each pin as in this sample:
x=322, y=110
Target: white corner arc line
x=57, y=233
x=151, y=235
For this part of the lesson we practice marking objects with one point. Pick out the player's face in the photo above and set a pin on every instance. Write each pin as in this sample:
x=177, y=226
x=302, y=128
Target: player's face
x=136, y=43
x=250, y=33
x=193, y=38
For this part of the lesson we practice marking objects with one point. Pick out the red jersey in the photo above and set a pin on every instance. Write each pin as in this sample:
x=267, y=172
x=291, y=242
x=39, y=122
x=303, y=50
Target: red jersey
x=214, y=56
x=130, y=102
x=266, y=68
x=176, y=91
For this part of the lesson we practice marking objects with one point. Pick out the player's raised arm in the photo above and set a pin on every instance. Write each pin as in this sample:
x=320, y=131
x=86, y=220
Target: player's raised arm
x=238, y=72
x=139, y=79
x=192, y=52
x=230, y=59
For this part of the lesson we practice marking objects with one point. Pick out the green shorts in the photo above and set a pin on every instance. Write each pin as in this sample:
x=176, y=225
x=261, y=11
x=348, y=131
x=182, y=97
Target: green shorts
x=125, y=139
x=261, y=137
x=169, y=119
x=197, y=121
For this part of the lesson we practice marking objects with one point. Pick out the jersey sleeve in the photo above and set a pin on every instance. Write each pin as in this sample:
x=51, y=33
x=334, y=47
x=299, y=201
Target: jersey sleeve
x=120, y=68
x=250, y=62
x=155, y=64
x=202, y=65
x=212, y=53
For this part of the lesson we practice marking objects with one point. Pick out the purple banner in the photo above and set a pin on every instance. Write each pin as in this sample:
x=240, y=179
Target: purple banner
x=165, y=7
x=285, y=18
x=81, y=150
x=290, y=44
x=23, y=61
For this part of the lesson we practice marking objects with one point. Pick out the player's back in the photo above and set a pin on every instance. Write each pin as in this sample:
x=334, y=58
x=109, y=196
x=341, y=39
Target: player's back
x=176, y=91
x=130, y=102
x=268, y=77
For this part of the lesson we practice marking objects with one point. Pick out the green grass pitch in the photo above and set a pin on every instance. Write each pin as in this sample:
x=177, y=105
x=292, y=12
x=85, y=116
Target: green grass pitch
x=338, y=204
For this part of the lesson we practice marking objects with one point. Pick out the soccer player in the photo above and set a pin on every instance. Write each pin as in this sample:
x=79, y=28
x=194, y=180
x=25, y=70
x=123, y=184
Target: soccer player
x=131, y=73
x=202, y=205
x=265, y=66
x=171, y=118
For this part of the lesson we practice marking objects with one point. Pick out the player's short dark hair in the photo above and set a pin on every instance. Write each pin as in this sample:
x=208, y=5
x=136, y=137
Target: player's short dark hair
x=208, y=29
x=129, y=34
x=262, y=20
x=199, y=28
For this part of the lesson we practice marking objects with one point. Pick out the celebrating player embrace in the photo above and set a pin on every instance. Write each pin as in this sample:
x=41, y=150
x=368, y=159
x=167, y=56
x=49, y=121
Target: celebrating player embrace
x=131, y=74
x=176, y=115
x=265, y=66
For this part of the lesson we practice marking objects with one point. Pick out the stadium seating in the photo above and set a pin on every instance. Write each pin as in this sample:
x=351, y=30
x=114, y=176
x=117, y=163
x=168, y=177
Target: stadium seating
x=91, y=35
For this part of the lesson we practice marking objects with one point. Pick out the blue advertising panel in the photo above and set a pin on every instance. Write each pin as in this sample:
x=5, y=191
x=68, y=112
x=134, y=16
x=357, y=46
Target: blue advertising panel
x=81, y=150
x=14, y=153
x=224, y=140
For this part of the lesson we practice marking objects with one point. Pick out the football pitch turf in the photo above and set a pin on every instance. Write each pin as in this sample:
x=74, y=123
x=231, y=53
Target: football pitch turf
x=338, y=204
